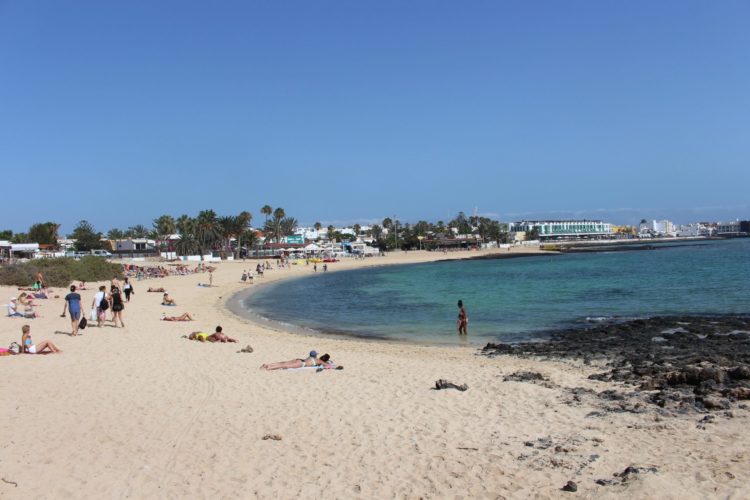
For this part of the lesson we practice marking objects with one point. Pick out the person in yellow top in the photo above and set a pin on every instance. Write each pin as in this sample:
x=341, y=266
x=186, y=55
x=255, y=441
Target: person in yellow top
x=217, y=336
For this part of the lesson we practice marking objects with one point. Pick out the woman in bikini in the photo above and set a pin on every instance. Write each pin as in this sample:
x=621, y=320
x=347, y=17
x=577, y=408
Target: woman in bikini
x=29, y=347
x=311, y=360
x=463, y=319
x=182, y=317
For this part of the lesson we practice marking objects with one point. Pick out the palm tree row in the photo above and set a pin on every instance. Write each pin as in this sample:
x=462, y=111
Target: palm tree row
x=208, y=231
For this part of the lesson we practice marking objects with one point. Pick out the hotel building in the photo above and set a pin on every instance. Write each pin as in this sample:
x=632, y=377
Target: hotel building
x=565, y=229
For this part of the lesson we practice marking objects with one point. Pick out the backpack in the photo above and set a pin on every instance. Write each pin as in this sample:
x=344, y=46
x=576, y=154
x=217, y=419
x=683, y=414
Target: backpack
x=104, y=303
x=15, y=348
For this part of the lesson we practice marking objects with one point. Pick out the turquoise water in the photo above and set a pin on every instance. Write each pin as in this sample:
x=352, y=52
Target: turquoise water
x=514, y=299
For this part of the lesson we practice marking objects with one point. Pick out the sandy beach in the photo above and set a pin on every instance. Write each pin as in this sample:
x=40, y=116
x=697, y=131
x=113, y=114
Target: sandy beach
x=139, y=412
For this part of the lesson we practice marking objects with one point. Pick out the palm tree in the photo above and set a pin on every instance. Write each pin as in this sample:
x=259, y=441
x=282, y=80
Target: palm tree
x=331, y=233
x=288, y=225
x=266, y=210
x=184, y=224
x=137, y=231
x=207, y=230
x=187, y=244
x=228, y=226
x=115, y=234
x=243, y=222
x=377, y=232
x=250, y=238
x=357, y=228
x=164, y=226
x=278, y=215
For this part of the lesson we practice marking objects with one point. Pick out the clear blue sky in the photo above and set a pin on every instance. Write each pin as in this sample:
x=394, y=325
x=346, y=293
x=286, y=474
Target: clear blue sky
x=350, y=111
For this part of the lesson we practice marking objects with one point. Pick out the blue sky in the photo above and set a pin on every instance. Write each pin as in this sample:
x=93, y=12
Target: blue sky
x=118, y=112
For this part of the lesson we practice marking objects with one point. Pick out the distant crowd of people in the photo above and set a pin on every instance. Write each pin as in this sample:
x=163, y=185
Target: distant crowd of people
x=146, y=272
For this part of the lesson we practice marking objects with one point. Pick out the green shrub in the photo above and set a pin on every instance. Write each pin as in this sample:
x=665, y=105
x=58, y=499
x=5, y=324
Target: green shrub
x=59, y=272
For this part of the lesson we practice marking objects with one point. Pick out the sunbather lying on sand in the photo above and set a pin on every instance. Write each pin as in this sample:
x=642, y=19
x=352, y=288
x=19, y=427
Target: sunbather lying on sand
x=160, y=289
x=312, y=360
x=217, y=336
x=182, y=317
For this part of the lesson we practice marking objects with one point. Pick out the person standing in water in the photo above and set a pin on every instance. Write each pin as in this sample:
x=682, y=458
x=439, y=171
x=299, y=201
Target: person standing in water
x=463, y=319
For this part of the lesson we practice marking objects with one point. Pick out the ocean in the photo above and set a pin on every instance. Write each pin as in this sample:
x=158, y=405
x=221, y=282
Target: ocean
x=515, y=299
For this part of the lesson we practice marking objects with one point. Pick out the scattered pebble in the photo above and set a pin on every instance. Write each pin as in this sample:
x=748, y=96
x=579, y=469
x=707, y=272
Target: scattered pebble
x=570, y=486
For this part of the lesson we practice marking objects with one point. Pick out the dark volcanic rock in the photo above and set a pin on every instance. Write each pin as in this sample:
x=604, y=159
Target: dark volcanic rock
x=570, y=486
x=708, y=356
x=635, y=470
x=737, y=393
x=740, y=373
x=715, y=403
x=524, y=377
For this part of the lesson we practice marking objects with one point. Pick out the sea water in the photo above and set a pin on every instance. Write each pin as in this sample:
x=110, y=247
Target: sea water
x=514, y=299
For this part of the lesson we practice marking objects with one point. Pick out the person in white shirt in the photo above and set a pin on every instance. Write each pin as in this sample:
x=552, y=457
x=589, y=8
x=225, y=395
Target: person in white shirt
x=100, y=296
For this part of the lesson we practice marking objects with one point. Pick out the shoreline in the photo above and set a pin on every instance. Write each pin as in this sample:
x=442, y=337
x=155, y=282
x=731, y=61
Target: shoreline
x=234, y=304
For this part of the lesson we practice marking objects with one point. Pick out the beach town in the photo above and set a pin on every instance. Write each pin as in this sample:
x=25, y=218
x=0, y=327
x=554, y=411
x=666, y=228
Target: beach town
x=182, y=398
x=374, y=250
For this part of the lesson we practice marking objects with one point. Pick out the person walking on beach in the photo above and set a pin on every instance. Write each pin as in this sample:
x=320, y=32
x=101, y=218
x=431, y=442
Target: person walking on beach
x=100, y=298
x=128, y=289
x=115, y=301
x=73, y=304
x=463, y=319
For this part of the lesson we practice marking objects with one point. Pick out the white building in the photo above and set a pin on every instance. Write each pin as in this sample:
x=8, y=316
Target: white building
x=137, y=245
x=24, y=250
x=310, y=233
x=694, y=230
x=725, y=228
x=565, y=229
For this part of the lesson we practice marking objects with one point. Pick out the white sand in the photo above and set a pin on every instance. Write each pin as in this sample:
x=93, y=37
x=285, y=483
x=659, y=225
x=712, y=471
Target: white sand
x=142, y=413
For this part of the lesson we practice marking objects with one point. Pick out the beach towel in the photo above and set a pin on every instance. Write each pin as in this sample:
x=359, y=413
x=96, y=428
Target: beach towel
x=313, y=368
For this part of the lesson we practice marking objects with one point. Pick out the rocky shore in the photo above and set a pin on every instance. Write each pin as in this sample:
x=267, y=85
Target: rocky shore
x=677, y=363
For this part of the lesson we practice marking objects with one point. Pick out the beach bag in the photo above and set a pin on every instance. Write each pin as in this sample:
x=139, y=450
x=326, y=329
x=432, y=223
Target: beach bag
x=104, y=304
x=83, y=323
x=15, y=348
